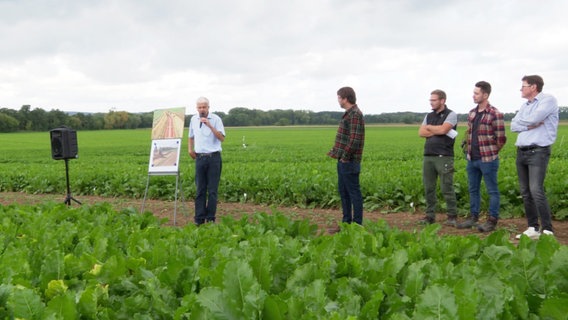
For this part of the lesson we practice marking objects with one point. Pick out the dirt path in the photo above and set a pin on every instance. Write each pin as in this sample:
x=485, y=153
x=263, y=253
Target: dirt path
x=324, y=218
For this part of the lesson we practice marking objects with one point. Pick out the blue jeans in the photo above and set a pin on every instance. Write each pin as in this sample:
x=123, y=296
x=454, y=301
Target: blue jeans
x=207, y=176
x=531, y=168
x=476, y=169
x=350, y=191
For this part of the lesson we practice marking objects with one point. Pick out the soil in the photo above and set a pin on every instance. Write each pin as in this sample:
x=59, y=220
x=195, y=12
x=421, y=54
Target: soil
x=326, y=219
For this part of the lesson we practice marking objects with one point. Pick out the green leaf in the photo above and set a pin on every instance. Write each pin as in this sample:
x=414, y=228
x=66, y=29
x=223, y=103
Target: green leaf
x=554, y=308
x=396, y=262
x=518, y=304
x=436, y=302
x=87, y=305
x=467, y=297
x=495, y=259
x=526, y=272
x=372, y=307
x=240, y=297
x=25, y=303
x=494, y=293
x=63, y=307
x=242, y=288
x=557, y=275
x=261, y=266
x=274, y=308
x=213, y=300
x=414, y=281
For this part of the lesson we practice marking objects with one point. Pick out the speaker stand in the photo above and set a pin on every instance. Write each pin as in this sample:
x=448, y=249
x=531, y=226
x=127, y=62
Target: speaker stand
x=68, y=198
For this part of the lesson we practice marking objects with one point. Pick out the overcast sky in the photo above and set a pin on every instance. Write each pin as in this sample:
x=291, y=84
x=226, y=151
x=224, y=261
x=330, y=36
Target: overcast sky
x=142, y=55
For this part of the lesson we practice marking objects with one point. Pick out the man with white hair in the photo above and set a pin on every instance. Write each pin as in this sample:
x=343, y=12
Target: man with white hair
x=206, y=133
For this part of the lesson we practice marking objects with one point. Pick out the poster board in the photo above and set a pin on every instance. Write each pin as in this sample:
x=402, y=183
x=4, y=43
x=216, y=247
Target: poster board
x=168, y=123
x=167, y=133
x=164, y=156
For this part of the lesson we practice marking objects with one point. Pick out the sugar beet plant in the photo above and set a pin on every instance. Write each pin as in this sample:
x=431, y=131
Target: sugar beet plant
x=93, y=262
x=283, y=165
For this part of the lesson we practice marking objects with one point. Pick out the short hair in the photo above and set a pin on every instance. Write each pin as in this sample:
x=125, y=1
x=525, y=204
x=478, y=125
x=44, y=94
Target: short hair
x=484, y=86
x=202, y=100
x=441, y=94
x=536, y=80
x=347, y=93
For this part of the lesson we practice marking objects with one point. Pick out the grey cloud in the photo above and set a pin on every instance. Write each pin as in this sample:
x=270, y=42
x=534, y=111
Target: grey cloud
x=270, y=50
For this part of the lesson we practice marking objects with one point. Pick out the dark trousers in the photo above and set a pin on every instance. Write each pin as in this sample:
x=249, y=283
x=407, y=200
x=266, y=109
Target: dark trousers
x=432, y=168
x=207, y=176
x=350, y=191
x=531, y=168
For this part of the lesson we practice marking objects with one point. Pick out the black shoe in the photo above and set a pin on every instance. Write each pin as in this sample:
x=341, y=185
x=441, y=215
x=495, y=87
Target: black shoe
x=489, y=225
x=451, y=222
x=426, y=220
x=469, y=223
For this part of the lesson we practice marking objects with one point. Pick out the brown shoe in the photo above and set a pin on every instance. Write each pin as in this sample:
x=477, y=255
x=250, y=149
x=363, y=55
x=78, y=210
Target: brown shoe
x=469, y=223
x=489, y=225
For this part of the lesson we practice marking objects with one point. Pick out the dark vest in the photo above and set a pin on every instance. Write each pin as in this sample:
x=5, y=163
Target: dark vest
x=439, y=145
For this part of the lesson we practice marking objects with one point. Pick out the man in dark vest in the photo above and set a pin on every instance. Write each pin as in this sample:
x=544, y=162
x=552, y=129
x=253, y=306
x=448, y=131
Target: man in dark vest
x=439, y=129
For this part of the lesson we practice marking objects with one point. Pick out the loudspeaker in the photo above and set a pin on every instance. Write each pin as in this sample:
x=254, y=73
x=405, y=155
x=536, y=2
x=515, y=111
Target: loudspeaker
x=63, y=143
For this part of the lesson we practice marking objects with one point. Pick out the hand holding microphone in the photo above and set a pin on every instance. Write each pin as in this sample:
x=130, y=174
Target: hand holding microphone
x=203, y=119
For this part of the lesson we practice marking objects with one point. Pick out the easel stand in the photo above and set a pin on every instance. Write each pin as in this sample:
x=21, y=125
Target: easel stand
x=178, y=189
x=68, y=198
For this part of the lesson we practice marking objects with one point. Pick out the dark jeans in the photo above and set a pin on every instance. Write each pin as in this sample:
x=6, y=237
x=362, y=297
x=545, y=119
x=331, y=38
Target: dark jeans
x=531, y=168
x=350, y=191
x=207, y=176
x=477, y=169
x=432, y=168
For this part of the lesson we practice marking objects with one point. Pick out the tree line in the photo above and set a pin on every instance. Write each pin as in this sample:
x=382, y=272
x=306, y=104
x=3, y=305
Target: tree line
x=38, y=119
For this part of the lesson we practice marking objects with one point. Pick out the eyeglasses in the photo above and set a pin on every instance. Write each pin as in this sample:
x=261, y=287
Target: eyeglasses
x=526, y=86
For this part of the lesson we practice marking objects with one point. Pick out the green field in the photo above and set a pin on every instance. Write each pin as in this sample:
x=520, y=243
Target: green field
x=94, y=262
x=280, y=165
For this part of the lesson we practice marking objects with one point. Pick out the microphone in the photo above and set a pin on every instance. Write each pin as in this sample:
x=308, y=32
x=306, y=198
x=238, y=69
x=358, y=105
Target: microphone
x=202, y=115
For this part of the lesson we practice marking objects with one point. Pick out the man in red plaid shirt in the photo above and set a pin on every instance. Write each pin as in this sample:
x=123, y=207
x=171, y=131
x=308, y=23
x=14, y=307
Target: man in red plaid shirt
x=348, y=151
x=485, y=138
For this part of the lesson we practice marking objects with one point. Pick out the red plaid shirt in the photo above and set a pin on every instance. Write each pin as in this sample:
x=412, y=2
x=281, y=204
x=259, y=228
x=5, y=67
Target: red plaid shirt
x=350, y=136
x=490, y=134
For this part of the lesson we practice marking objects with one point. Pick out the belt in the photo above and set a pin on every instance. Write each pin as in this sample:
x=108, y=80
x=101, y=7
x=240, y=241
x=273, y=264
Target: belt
x=528, y=148
x=208, y=154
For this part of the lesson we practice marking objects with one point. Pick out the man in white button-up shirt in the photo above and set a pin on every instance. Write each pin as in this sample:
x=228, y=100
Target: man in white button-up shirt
x=537, y=125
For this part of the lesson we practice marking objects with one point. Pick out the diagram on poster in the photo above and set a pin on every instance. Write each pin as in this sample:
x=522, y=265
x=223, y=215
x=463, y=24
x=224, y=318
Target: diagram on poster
x=168, y=123
x=164, y=156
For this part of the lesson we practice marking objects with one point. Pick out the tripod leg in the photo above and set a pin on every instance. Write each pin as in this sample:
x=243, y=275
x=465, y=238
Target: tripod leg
x=68, y=198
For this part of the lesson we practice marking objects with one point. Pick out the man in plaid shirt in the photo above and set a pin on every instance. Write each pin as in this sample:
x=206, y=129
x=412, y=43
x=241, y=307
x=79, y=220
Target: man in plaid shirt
x=485, y=138
x=348, y=150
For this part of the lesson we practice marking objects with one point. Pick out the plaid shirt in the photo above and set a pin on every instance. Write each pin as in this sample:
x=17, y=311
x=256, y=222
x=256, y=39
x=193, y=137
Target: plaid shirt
x=350, y=136
x=490, y=134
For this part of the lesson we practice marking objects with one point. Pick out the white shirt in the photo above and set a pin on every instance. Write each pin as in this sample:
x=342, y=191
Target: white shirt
x=204, y=139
